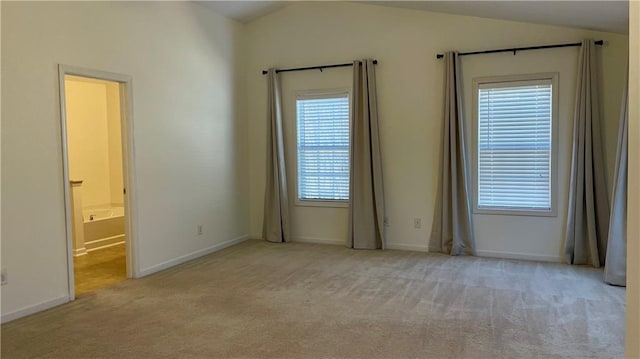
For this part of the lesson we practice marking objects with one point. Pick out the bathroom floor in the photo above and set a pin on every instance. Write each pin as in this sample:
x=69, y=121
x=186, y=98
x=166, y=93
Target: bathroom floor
x=99, y=269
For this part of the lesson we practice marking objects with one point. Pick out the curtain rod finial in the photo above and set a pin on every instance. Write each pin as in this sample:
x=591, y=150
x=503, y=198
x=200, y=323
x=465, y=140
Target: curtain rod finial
x=264, y=72
x=439, y=56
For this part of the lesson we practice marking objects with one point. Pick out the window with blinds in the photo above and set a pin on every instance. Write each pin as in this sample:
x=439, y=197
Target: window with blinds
x=514, y=158
x=323, y=147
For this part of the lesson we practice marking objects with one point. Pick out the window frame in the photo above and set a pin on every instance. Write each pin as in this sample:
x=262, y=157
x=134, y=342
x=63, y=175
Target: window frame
x=319, y=94
x=505, y=81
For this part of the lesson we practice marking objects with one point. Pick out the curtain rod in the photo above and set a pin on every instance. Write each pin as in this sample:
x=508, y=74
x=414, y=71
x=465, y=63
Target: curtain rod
x=320, y=67
x=515, y=49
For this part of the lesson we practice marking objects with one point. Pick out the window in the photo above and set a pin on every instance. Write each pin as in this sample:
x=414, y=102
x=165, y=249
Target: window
x=323, y=147
x=514, y=134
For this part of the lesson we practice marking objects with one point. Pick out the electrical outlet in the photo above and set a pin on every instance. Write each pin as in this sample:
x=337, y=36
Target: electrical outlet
x=199, y=229
x=3, y=277
x=417, y=223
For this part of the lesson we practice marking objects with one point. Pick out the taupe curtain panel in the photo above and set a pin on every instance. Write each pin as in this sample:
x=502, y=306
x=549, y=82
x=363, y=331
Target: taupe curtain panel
x=275, y=226
x=366, y=194
x=588, y=210
x=452, y=229
x=615, y=270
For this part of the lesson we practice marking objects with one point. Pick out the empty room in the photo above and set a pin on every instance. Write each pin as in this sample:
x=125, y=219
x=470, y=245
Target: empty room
x=320, y=179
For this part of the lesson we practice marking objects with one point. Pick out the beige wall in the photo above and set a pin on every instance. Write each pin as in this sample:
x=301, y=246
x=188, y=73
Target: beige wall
x=410, y=81
x=116, y=184
x=190, y=134
x=93, y=139
x=1, y=260
x=633, y=228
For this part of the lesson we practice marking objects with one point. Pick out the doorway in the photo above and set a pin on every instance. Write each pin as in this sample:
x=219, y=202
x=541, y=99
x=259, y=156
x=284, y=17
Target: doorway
x=96, y=123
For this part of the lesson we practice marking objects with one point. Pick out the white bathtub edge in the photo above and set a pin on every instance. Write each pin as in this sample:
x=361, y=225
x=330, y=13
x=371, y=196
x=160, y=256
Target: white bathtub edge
x=32, y=309
x=187, y=257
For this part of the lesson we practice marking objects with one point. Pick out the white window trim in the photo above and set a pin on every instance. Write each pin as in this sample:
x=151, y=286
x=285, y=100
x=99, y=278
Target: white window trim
x=318, y=94
x=477, y=82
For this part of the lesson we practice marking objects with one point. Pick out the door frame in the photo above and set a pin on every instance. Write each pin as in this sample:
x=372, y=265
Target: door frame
x=128, y=169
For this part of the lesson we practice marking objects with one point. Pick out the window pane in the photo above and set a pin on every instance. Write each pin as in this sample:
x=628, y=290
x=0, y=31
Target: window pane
x=514, y=146
x=323, y=148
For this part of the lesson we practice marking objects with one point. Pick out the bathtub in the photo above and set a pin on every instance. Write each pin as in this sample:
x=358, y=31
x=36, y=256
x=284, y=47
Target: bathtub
x=103, y=227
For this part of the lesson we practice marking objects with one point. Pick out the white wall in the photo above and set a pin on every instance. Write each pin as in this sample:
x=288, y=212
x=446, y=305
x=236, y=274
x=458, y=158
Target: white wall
x=89, y=140
x=410, y=81
x=189, y=132
x=632, y=343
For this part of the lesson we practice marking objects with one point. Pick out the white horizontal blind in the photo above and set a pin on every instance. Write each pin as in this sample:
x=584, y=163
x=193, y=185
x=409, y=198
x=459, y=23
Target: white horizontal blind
x=323, y=147
x=514, y=145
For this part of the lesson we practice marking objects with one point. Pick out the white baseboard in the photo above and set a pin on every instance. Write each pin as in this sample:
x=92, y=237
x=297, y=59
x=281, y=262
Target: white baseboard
x=34, y=309
x=79, y=252
x=408, y=247
x=106, y=246
x=104, y=242
x=519, y=256
x=187, y=257
x=332, y=241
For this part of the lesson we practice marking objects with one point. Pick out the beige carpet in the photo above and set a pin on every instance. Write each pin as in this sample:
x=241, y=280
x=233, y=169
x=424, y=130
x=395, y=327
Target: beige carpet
x=99, y=269
x=263, y=300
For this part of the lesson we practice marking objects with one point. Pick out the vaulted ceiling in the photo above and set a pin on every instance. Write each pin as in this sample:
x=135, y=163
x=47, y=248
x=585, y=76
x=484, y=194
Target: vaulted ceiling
x=611, y=16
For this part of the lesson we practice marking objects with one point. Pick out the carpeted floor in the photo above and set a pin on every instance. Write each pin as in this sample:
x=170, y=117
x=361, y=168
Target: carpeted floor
x=99, y=269
x=264, y=300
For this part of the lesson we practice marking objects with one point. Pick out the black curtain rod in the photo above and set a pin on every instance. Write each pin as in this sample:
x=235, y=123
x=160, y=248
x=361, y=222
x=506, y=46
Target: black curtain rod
x=320, y=67
x=515, y=49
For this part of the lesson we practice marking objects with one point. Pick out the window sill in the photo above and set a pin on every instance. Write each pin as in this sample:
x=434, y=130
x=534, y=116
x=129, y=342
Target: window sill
x=515, y=212
x=322, y=203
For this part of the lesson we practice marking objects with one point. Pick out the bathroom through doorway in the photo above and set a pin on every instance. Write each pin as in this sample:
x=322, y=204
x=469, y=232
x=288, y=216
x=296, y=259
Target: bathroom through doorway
x=95, y=123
